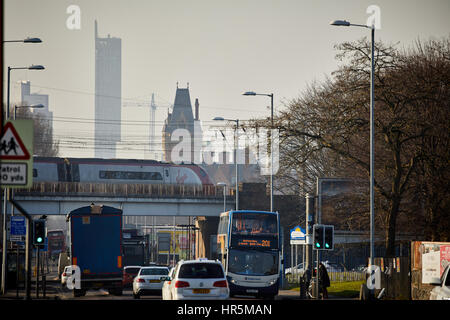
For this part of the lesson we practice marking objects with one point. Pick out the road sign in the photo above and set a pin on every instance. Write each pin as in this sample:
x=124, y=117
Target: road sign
x=16, y=148
x=298, y=235
x=18, y=229
x=11, y=145
x=14, y=174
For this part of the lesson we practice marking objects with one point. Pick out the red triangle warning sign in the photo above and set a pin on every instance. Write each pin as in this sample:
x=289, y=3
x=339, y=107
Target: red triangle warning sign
x=11, y=146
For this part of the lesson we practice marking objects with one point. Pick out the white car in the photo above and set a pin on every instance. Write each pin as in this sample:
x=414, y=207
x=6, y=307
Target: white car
x=149, y=280
x=333, y=267
x=298, y=269
x=442, y=290
x=64, y=275
x=196, y=279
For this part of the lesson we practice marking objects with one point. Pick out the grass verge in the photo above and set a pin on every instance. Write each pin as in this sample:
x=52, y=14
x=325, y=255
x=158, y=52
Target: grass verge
x=347, y=289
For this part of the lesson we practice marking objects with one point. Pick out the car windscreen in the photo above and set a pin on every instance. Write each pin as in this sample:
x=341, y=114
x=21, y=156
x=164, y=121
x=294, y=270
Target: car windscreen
x=132, y=270
x=154, y=272
x=200, y=270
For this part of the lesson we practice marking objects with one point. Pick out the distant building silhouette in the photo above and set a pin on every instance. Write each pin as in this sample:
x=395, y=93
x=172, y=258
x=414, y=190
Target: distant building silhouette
x=28, y=99
x=182, y=117
x=108, y=93
x=43, y=140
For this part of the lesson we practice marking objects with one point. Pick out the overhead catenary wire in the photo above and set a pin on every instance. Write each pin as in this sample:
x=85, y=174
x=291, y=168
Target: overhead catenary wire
x=165, y=105
x=131, y=140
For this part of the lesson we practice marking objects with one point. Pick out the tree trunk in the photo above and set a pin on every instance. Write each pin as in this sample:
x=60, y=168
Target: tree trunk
x=391, y=227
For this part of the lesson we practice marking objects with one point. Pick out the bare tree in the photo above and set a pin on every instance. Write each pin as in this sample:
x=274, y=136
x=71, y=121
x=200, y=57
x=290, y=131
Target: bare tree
x=326, y=130
x=43, y=142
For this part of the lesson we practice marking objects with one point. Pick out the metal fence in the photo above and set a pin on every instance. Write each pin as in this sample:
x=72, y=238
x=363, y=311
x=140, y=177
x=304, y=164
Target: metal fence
x=334, y=276
x=347, y=276
x=126, y=190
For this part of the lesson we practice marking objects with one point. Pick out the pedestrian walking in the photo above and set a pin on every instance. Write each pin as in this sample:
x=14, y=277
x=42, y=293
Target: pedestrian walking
x=324, y=280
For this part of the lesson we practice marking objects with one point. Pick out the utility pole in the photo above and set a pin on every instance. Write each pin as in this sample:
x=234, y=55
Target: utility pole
x=28, y=248
x=310, y=217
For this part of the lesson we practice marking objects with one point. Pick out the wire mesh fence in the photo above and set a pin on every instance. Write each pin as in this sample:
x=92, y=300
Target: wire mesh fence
x=334, y=276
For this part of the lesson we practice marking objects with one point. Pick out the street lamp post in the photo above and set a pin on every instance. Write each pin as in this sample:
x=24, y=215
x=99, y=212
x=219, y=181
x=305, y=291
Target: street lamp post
x=235, y=156
x=26, y=40
x=6, y=190
x=251, y=93
x=33, y=106
x=4, y=256
x=224, y=185
x=372, y=128
x=32, y=67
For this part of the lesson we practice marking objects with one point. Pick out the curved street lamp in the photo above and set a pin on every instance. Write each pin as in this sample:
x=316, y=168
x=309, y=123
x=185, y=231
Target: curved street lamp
x=251, y=93
x=33, y=106
x=6, y=192
x=32, y=67
x=26, y=40
x=4, y=256
x=344, y=23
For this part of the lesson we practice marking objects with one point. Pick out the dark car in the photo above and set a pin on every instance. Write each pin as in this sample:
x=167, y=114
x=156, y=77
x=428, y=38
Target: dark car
x=129, y=273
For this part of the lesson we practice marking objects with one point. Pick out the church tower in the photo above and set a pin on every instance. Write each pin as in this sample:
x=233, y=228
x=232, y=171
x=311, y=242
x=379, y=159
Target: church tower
x=182, y=117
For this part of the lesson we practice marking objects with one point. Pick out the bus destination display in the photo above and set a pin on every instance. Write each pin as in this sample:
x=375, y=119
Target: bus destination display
x=245, y=242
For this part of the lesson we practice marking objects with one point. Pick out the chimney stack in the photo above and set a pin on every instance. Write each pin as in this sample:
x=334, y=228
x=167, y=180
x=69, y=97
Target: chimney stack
x=196, y=109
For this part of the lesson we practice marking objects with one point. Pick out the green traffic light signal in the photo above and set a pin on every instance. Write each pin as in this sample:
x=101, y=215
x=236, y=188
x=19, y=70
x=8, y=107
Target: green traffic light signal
x=323, y=237
x=38, y=231
x=318, y=233
x=328, y=237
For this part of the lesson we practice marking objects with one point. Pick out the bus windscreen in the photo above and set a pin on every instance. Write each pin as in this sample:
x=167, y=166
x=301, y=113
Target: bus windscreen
x=253, y=262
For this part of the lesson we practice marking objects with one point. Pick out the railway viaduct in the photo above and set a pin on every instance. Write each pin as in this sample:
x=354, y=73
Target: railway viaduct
x=134, y=199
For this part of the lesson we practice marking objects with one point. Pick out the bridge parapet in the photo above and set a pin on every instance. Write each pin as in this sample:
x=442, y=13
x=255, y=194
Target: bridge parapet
x=122, y=190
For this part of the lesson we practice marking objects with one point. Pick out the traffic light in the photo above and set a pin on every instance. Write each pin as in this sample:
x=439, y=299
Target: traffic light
x=323, y=236
x=318, y=235
x=38, y=232
x=329, y=237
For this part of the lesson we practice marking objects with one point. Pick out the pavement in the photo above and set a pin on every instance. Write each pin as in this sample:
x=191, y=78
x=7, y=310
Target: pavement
x=54, y=291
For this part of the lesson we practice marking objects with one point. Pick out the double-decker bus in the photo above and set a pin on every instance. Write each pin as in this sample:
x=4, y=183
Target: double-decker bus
x=249, y=246
x=56, y=242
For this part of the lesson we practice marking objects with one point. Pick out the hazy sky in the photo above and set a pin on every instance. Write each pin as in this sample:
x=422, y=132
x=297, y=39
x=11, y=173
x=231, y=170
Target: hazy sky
x=222, y=48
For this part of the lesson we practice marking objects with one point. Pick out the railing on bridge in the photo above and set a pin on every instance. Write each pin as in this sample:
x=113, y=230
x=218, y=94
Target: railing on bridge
x=124, y=190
